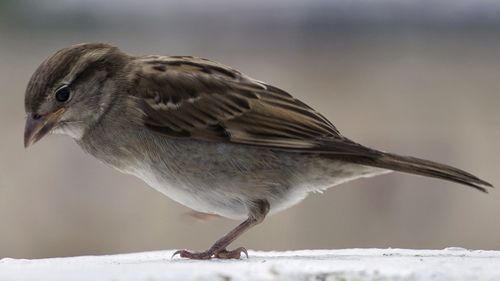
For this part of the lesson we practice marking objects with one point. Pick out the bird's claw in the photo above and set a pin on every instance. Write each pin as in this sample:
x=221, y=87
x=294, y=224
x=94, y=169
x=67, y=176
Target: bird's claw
x=193, y=255
x=209, y=254
x=234, y=254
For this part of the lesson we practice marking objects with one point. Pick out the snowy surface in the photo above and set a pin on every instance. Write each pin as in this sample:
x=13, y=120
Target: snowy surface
x=349, y=264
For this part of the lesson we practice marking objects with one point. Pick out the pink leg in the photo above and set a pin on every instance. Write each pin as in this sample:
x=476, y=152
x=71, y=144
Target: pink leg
x=218, y=250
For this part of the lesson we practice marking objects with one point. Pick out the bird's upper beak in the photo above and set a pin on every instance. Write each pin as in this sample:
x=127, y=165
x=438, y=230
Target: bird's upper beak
x=38, y=126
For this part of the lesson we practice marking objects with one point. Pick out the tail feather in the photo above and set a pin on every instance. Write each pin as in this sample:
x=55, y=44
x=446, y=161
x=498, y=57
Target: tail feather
x=422, y=167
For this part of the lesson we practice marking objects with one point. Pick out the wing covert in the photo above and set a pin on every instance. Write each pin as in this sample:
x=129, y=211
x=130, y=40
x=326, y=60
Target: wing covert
x=187, y=97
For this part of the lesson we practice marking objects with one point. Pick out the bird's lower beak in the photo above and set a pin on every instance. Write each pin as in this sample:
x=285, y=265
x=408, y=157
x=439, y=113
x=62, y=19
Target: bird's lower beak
x=38, y=126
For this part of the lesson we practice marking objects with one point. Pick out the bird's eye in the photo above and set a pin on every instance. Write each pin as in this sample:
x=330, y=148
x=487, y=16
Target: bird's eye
x=63, y=94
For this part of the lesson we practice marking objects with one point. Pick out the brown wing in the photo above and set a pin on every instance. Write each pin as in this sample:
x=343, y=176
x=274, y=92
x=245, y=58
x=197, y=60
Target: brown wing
x=187, y=97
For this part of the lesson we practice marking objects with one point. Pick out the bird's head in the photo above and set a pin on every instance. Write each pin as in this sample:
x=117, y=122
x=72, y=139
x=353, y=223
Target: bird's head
x=71, y=89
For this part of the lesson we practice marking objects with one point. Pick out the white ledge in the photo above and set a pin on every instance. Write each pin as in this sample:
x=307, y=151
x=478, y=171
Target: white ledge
x=350, y=264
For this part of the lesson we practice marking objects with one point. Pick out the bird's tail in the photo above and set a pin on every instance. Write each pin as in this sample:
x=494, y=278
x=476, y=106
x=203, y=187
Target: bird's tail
x=421, y=167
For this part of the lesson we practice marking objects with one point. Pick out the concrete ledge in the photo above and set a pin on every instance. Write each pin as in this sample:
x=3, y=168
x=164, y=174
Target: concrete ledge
x=350, y=264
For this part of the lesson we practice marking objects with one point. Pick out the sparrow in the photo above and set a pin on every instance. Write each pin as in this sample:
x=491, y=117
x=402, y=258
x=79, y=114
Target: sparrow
x=203, y=134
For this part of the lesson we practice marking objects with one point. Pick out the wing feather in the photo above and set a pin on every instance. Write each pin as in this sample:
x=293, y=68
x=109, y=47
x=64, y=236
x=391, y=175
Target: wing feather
x=186, y=97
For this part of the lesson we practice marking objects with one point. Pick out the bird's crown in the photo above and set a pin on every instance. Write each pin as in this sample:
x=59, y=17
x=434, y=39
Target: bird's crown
x=65, y=66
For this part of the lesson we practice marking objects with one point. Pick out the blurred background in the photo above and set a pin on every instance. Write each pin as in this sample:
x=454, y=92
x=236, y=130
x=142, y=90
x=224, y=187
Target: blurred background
x=419, y=78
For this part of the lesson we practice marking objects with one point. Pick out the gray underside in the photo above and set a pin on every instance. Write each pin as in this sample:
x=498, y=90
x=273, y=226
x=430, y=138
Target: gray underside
x=221, y=178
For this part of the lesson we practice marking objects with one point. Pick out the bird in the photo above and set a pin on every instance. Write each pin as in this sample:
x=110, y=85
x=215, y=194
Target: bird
x=204, y=134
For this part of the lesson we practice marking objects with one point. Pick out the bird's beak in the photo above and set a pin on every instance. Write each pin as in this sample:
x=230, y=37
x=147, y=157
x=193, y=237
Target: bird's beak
x=38, y=126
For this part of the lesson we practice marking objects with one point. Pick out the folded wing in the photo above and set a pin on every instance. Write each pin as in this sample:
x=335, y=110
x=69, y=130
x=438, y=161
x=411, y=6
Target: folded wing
x=200, y=99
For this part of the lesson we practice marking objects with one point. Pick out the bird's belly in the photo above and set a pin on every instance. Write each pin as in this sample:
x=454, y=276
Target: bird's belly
x=212, y=197
x=226, y=183
x=222, y=197
x=230, y=196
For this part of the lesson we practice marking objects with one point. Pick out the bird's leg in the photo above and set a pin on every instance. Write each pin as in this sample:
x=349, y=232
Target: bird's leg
x=257, y=213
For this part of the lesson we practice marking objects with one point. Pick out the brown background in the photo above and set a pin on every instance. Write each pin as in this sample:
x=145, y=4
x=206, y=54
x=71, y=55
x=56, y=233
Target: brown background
x=419, y=79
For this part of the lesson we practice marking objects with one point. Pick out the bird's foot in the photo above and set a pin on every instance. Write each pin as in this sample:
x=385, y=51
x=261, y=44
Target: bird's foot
x=234, y=254
x=209, y=254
